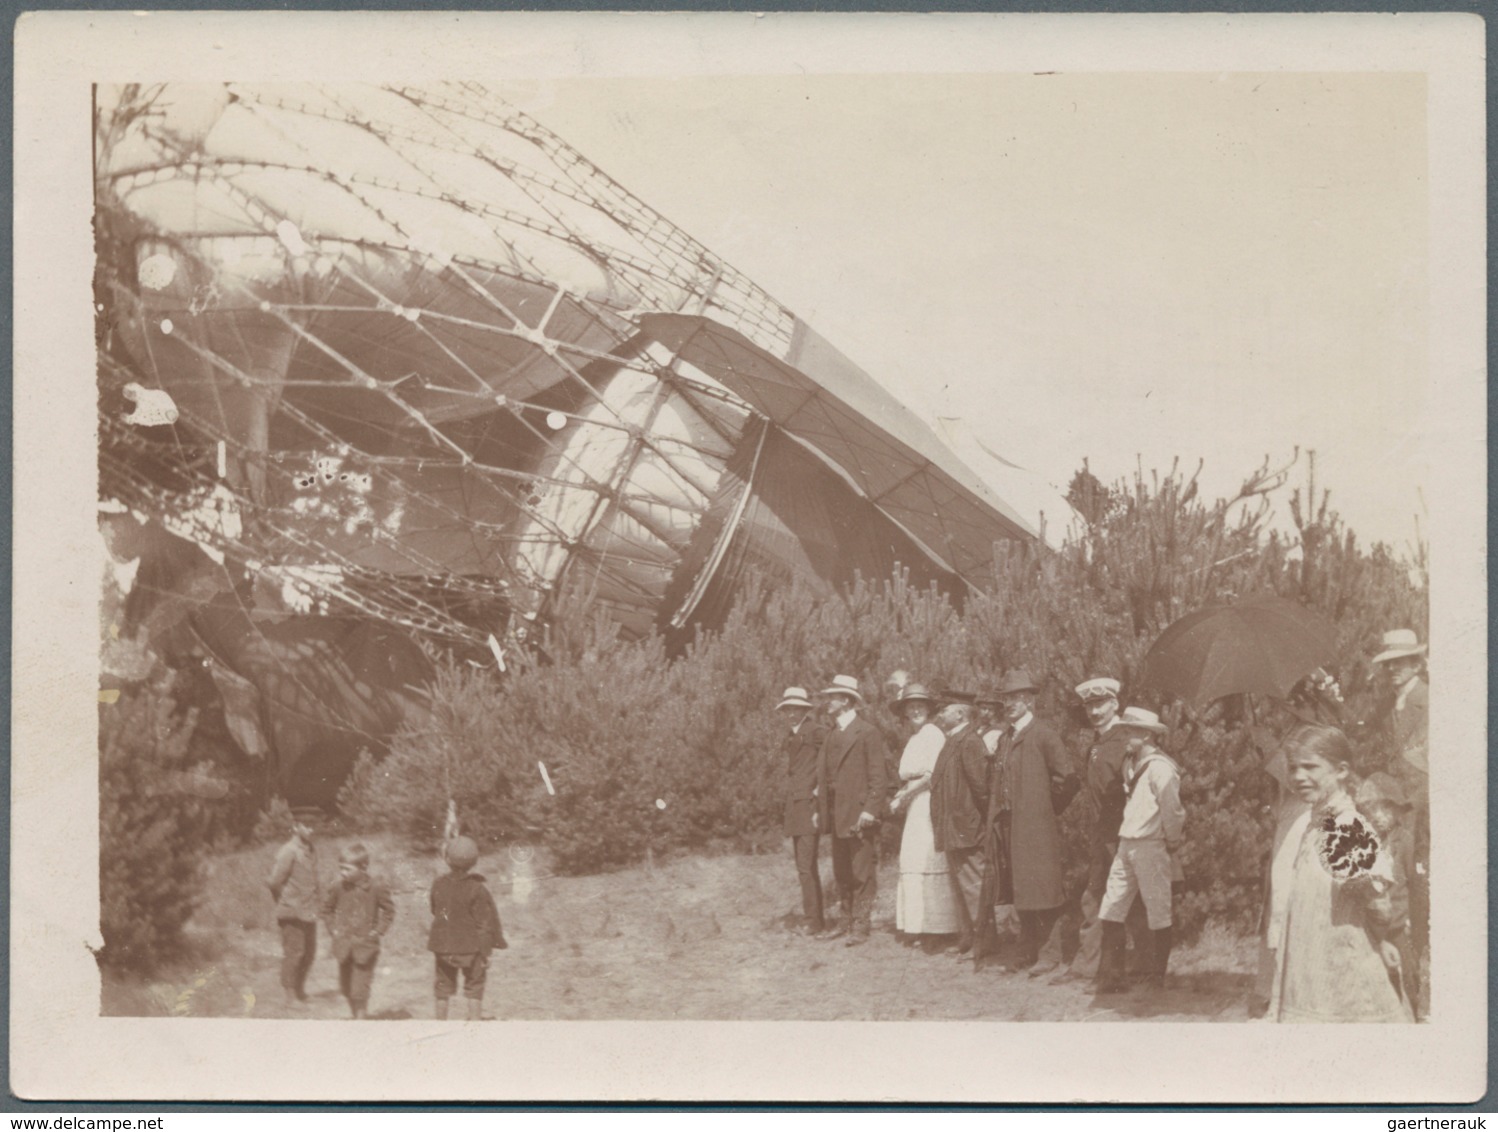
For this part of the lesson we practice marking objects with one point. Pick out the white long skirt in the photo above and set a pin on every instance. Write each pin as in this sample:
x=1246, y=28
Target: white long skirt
x=924, y=901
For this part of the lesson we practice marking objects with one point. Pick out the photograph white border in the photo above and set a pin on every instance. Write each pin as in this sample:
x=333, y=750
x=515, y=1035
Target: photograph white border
x=62, y=1049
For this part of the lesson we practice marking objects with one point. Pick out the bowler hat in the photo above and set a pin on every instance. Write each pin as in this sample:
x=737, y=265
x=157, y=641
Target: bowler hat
x=953, y=696
x=914, y=693
x=1017, y=680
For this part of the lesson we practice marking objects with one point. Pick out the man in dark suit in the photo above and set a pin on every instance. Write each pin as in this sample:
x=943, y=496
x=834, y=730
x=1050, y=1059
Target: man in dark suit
x=959, y=800
x=855, y=783
x=1103, y=786
x=1033, y=780
x=801, y=747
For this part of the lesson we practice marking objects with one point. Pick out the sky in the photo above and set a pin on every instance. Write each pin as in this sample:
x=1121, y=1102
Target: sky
x=1122, y=268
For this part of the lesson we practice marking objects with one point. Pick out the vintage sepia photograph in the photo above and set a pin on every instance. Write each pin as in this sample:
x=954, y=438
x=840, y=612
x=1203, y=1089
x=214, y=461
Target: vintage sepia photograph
x=796, y=544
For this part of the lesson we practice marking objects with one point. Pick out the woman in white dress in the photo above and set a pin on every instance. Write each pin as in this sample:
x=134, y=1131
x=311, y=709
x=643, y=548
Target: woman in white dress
x=924, y=903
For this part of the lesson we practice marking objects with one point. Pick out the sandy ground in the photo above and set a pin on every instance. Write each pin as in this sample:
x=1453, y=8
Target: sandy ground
x=698, y=938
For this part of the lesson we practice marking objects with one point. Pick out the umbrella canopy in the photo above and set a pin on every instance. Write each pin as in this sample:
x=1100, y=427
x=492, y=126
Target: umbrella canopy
x=1260, y=644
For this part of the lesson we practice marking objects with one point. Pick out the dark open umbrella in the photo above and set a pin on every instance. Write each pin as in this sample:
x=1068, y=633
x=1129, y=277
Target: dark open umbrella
x=1261, y=644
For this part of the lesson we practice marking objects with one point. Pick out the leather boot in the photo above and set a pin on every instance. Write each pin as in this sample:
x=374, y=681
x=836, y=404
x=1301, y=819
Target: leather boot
x=1110, y=968
x=1161, y=941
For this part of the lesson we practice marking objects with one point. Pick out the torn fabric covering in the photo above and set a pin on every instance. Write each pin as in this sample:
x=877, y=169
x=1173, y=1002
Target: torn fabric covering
x=784, y=514
x=838, y=411
x=403, y=331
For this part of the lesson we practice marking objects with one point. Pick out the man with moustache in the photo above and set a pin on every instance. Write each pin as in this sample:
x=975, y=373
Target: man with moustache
x=959, y=800
x=1103, y=785
x=1032, y=782
x=855, y=783
x=801, y=748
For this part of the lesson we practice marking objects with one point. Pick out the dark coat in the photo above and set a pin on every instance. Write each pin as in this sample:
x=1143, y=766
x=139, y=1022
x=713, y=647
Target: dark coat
x=1034, y=779
x=855, y=771
x=801, y=749
x=357, y=915
x=1105, y=785
x=464, y=918
x=959, y=792
x=1410, y=726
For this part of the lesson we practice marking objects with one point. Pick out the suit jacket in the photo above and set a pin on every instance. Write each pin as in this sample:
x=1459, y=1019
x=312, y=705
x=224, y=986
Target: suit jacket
x=855, y=772
x=959, y=792
x=1105, y=785
x=1034, y=780
x=802, y=752
x=358, y=913
x=1411, y=725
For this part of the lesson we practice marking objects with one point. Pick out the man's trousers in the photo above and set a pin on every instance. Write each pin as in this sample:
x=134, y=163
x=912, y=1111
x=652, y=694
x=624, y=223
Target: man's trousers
x=804, y=848
x=855, y=862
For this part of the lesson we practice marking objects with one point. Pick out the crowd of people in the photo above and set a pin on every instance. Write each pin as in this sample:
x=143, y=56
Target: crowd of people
x=981, y=783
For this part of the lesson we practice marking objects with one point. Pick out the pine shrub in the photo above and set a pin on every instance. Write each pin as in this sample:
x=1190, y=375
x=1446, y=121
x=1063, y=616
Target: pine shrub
x=653, y=753
x=153, y=826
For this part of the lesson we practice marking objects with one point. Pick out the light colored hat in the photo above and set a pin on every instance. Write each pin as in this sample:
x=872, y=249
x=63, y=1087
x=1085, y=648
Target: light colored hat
x=1099, y=688
x=1141, y=718
x=914, y=693
x=1399, y=643
x=794, y=697
x=843, y=686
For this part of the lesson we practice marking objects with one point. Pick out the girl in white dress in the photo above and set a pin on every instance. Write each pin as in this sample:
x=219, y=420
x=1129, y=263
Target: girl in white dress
x=924, y=903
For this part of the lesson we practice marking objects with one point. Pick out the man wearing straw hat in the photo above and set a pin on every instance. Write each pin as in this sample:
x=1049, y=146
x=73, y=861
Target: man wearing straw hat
x=800, y=746
x=1399, y=664
x=1148, y=837
x=855, y=783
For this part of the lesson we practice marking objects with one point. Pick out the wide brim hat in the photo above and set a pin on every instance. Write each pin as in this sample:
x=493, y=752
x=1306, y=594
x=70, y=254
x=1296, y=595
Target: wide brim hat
x=794, y=697
x=1098, y=688
x=988, y=697
x=843, y=686
x=1017, y=680
x=914, y=693
x=1399, y=643
x=1140, y=719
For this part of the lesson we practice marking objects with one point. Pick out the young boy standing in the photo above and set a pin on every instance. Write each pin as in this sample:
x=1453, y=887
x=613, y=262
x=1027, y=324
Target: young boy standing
x=1148, y=838
x=295, y=887
x=465, y=928
x=358, y=913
